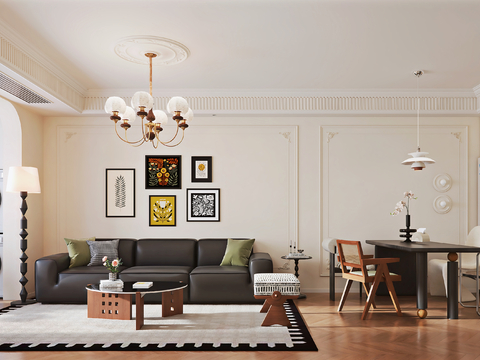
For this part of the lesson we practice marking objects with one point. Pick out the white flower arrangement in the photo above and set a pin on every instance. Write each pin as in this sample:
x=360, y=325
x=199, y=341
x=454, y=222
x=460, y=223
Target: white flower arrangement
x=402, y=204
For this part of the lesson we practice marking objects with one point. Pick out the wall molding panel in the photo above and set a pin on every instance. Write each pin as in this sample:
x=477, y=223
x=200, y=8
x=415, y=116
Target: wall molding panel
x=351, y=182
x=251, y=203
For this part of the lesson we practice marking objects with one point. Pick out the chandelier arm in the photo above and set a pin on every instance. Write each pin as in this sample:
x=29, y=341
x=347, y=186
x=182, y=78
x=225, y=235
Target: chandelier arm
x=124, y=140
x=139, y=141
x=178, y=143
x=169, y=141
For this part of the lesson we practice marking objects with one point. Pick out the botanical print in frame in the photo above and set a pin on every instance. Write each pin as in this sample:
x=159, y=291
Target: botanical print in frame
x=120, y=193
x=163, y=210
x=201, y=169
x=163, y=172
x=203, y=204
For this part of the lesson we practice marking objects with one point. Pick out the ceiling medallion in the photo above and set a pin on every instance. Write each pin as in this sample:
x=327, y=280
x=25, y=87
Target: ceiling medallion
x=167, y=51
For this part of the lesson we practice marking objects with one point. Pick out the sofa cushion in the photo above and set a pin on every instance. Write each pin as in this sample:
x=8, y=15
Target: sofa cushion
x=166, y=252
x=221, y=284
x=78, y=251
x=237, y=252
x=126, y=249
x=99, y=249
x=211, y=251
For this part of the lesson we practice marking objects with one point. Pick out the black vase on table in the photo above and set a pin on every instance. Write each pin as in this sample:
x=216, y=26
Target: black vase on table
x=408, y=232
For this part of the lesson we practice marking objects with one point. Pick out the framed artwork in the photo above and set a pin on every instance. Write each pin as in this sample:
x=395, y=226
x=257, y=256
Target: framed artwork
x=203, y=204
x=120, y=193
x=163, y=210
x=201, y=169
x=163, y=172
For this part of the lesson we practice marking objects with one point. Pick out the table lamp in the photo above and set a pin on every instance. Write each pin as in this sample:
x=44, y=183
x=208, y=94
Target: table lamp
x=23, y=180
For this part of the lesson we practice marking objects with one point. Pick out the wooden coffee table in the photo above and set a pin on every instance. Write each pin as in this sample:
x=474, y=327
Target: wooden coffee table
x=110, y=303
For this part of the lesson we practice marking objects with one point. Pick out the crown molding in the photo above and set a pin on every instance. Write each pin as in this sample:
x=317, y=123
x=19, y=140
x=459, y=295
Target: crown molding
x=307, y=102
x=476, y=91
x=30, y=63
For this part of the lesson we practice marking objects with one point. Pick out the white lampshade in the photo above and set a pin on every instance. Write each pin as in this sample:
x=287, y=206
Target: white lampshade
x=22, y=178
x=115, y=103
x=160, y=117
x=142, y=98
x=177, y=103
x=418, y=160
x=189, y=115
x=130, y=115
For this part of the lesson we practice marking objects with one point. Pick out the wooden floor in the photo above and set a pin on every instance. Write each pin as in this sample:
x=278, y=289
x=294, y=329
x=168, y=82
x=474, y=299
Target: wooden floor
x=344, y=336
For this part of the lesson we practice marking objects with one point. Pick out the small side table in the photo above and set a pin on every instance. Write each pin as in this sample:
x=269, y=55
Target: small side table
x=296, y=259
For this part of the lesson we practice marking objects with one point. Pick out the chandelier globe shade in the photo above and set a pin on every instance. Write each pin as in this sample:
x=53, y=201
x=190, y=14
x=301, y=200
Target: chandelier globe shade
x=152, y=120
x=129, y=115
x=177, y=103
x=142, y=99
x=189, y=115
x=160, y=117
x=115, y=104
x=418, y=160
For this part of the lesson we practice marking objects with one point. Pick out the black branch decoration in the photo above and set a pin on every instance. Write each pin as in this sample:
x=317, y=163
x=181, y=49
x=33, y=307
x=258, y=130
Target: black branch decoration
x=120, y=193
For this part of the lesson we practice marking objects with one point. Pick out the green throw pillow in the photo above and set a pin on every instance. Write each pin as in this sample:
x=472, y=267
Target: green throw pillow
x=237, y=252
x=78, y=251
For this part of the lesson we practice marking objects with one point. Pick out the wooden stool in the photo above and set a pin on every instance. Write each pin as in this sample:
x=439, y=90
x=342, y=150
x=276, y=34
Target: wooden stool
x=276, y=289
x=273, y=306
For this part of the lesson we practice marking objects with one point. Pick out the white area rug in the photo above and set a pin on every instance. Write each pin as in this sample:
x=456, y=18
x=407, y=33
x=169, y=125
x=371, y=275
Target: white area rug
x=198, y=325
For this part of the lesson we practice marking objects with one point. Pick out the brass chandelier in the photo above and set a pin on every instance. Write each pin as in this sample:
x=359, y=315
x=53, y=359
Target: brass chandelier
x=152, y=120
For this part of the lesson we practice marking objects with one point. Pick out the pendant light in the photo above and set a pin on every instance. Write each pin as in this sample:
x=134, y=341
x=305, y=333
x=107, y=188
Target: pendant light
x=418, y=158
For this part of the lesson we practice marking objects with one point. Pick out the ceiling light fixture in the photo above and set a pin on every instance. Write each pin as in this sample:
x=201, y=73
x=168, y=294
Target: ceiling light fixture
x=419, y=158
x=142, y=106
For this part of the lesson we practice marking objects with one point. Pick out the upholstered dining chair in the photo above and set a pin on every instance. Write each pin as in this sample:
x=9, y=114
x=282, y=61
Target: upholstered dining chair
x=354, y=268
x=468, y=265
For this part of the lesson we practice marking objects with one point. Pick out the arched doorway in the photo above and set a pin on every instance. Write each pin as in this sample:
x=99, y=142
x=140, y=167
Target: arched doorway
x=12, y=156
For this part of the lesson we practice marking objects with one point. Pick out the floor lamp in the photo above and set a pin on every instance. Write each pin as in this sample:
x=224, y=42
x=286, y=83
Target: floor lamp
x=23, y=180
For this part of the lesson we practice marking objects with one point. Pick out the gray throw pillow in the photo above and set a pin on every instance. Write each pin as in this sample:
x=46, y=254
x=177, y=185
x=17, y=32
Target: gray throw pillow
x=99, y=249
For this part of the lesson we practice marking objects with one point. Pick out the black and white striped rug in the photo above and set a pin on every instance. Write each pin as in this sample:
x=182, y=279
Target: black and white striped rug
x=40, y=327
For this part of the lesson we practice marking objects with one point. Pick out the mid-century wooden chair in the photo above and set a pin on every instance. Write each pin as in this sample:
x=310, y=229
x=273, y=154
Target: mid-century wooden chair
x=354, y=268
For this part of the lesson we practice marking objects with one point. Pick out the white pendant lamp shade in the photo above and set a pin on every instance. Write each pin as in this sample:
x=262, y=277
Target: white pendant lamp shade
x=22, y=178
x=418, y=160
x=177, y=103
x=160, y=117
x=115, y=103
x=129, y=115
x=189, y=115
x=142, y=98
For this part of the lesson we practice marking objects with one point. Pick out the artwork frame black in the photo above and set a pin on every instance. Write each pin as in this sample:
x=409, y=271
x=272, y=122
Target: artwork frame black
x=161, y=169
x=199, y=174
x=209, y=208
x=120, y=192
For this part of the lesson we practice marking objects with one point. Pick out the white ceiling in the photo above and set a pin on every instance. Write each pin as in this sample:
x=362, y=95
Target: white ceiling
x=258, y=45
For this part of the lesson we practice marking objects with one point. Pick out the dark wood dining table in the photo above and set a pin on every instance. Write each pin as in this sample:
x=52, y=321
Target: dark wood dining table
x=421, y=250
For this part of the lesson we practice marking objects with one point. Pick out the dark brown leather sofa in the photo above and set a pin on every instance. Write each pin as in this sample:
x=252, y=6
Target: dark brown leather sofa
x=195, y=262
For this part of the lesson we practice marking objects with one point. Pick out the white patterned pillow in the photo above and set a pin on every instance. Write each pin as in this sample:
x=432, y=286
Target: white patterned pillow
x=99, y=249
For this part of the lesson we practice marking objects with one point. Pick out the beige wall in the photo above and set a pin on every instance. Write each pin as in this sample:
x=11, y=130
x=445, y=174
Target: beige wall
x=273, y=175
